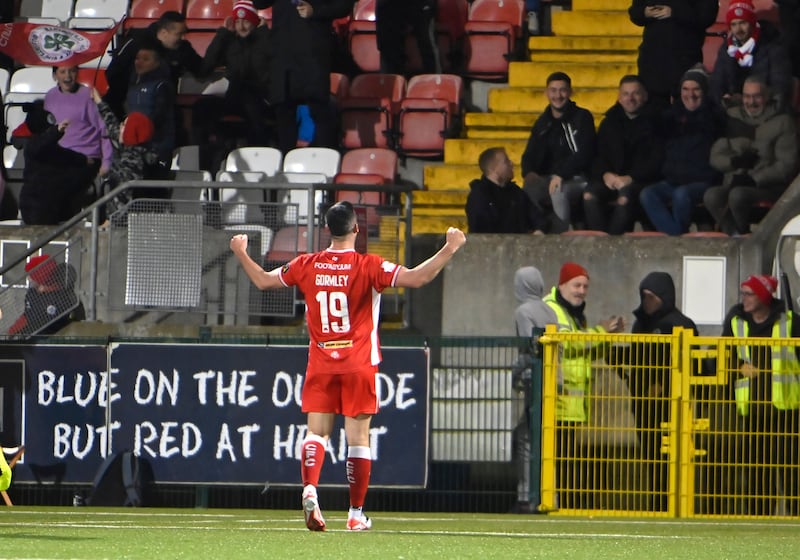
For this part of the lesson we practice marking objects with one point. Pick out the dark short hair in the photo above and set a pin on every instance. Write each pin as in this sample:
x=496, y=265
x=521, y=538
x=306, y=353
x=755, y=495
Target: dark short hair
x=64, y=66
x=559, y=77
x=168, y=18
x=487, y=156
x=150, y=44
x=631, y=79
x=340, y=218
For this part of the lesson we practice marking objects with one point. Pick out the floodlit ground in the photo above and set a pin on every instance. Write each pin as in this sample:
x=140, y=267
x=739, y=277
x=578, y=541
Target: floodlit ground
x=89, y=533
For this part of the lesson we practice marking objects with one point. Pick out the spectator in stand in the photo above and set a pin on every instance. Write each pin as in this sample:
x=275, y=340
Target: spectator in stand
x=392, y=20
x=50, y=302
x=531, y=313
x=132, y=150
x=495, y=203
x=300, y=71
x=176, y=53
x=72, y=102
x=753, y=48
x=672, y=42
x=54, y=178
x=568, y=301
x=152, y=94
x=767, y=396
x=690, y=127
x=789, y=15
x=242, y=46
x=758, y=155
x=649, y=374
x=629, y=155
x=559, y=154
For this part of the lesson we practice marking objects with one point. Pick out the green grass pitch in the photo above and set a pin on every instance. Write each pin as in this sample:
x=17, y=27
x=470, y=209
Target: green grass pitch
x=93, y=533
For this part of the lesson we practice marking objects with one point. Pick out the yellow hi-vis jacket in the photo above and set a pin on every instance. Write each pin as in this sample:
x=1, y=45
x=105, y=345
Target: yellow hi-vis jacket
x=575, y=366
x=785, y=367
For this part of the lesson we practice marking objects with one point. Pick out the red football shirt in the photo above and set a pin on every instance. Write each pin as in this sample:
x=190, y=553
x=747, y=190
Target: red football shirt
x=342, y=292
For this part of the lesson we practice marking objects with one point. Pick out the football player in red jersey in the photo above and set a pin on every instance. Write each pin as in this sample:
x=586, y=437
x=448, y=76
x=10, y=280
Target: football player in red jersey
x=342, y=293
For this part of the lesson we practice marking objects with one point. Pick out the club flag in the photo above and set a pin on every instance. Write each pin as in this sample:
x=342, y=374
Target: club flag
x=49, y=45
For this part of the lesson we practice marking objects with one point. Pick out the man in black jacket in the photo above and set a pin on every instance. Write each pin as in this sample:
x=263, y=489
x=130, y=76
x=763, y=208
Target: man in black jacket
x=302, y=44
x=649, y=377
x=559, y=153
x=242, y=46
x=629, y=156
x=176, y=53
x=495, y=203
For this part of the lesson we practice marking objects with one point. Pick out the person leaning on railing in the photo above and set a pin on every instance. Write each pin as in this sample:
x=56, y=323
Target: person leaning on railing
x=568, y=301
x=767, y=394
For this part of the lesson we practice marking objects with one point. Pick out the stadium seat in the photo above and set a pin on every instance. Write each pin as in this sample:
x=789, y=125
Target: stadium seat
x=186, y=158
x=362, y=39
x=491, y=34
x=645, y=233
x=93, y=78
x=368, y=199
x=340, y=86
x=291, y=241
x=241, y=205
x=52, y=12
x=299, y=214
x=367, y=116
x=5, y=76
x=97, y=14
x=264, y=159
x=31, y=79
x=13, y=162
x=200, y=40
x=145, y=12
x=427, y=112
x=715, y=37
x=705, y=234
x=313, y=160
x=380, y=161
x=207, y=15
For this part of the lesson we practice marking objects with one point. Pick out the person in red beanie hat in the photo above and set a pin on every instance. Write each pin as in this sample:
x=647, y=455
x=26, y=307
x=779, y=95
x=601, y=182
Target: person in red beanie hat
x=753, y=48
x=568, y=301
x=136, y=129
x=767, y=395
x=50, y=300
x=242, y=47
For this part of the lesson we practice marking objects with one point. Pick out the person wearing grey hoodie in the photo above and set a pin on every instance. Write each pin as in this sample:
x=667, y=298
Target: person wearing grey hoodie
x=531, y=313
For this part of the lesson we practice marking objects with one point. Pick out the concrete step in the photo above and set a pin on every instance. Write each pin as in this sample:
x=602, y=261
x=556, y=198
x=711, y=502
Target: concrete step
x=500, y=134
x=453, y=198
x=583, y=56
x=446, y=177
x=518, y=120
x=513, y=100
x=610, y=5
x=595, y=43
x=589, y=22
x=439, y=224
x=467, y=150
x=583, y=75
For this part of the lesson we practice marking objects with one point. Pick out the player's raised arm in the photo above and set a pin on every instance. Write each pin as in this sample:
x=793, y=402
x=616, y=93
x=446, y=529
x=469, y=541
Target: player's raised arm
x=262, y=279
x=427, y=270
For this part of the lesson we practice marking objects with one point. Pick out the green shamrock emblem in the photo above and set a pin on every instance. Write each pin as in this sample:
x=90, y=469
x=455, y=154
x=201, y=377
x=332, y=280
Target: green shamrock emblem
x=58, y=41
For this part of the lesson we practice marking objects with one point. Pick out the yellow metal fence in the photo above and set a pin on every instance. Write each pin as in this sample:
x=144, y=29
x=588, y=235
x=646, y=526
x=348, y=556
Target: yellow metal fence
x=663, y=434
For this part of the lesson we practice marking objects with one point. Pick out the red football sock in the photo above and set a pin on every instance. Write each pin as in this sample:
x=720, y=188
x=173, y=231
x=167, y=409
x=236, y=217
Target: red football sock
x=312, y=457
x=359, y=465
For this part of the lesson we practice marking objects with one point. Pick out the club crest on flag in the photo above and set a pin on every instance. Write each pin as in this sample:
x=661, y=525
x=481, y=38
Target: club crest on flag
x=56, y=44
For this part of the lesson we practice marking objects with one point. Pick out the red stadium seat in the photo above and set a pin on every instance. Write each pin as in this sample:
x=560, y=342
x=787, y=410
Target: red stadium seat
x=144, y=12
x=427, y=112
x=200, y=40
x=492, y=31
x=207, y=15
x=378, y=161
x=715, y=37
x=340, y=86
x=368, y=199
x=363, y=45
x=93, y=77
x=367, y=116
x=291, y=241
